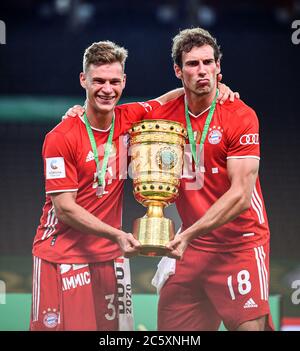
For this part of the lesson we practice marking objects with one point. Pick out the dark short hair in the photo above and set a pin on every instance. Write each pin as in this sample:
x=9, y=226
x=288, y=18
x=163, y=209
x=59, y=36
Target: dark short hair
x=186, y=39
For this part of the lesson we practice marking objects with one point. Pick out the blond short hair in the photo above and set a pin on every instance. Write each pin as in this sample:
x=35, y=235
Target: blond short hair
x=186, y=39
x=104, y=52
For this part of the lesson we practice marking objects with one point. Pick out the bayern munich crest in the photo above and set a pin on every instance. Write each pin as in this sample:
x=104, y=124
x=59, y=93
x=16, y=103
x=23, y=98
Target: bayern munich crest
x=50, y=318
x=215, y=136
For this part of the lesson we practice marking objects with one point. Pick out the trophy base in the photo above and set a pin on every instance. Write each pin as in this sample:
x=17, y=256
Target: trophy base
x=153, y=233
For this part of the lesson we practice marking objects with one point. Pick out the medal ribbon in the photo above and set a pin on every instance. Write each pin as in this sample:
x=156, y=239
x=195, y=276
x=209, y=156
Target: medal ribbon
x=205, y=129
x=107, y=150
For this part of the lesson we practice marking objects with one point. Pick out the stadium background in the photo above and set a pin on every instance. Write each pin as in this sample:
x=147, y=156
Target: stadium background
x=39, y=68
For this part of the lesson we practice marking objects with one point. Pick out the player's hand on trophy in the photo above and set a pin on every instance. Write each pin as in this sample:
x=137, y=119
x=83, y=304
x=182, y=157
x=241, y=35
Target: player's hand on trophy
x=74, y=111
x=129, y=245
x=177, y=247
x=225, y=92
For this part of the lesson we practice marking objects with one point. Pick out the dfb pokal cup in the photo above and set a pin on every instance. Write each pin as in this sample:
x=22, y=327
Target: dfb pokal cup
x=156, y=159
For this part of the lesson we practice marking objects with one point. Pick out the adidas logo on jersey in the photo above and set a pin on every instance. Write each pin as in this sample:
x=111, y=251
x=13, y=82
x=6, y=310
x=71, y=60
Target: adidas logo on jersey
x=250, y=304
x=90, y=156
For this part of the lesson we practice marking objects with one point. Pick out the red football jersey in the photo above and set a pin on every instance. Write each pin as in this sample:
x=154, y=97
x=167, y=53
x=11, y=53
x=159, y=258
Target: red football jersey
x=69, y=165
x=233, y=133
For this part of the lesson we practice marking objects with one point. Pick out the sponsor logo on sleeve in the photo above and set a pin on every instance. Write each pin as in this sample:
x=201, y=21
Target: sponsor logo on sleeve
x=55, y=168
x=249, y=139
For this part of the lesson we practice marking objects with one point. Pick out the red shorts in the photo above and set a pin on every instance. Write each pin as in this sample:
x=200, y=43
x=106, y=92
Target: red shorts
x=79, y=296
x=208, y=288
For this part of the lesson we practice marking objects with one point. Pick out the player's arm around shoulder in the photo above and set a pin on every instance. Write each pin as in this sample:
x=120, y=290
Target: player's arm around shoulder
x=170, y=95
x=75, y=111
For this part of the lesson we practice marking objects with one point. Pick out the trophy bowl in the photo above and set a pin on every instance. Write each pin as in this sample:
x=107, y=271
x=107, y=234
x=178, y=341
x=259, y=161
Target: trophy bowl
x=156, y=148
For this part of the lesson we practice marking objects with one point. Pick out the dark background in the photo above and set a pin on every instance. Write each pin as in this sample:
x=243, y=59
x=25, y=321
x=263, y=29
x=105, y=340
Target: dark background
x=39, y=68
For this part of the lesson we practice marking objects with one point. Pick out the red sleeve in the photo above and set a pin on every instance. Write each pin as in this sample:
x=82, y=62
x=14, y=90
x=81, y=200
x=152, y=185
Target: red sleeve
x=243, y=134
x=136, y=111
x=59, y=164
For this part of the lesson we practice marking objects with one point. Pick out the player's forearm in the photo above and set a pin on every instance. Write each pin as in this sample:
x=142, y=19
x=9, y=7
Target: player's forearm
x=170, y=95
x=78, y=218
x=224, y=210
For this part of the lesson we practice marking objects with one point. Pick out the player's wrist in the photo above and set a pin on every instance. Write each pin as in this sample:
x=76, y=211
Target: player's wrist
x=119, y=235
x=186, y=235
